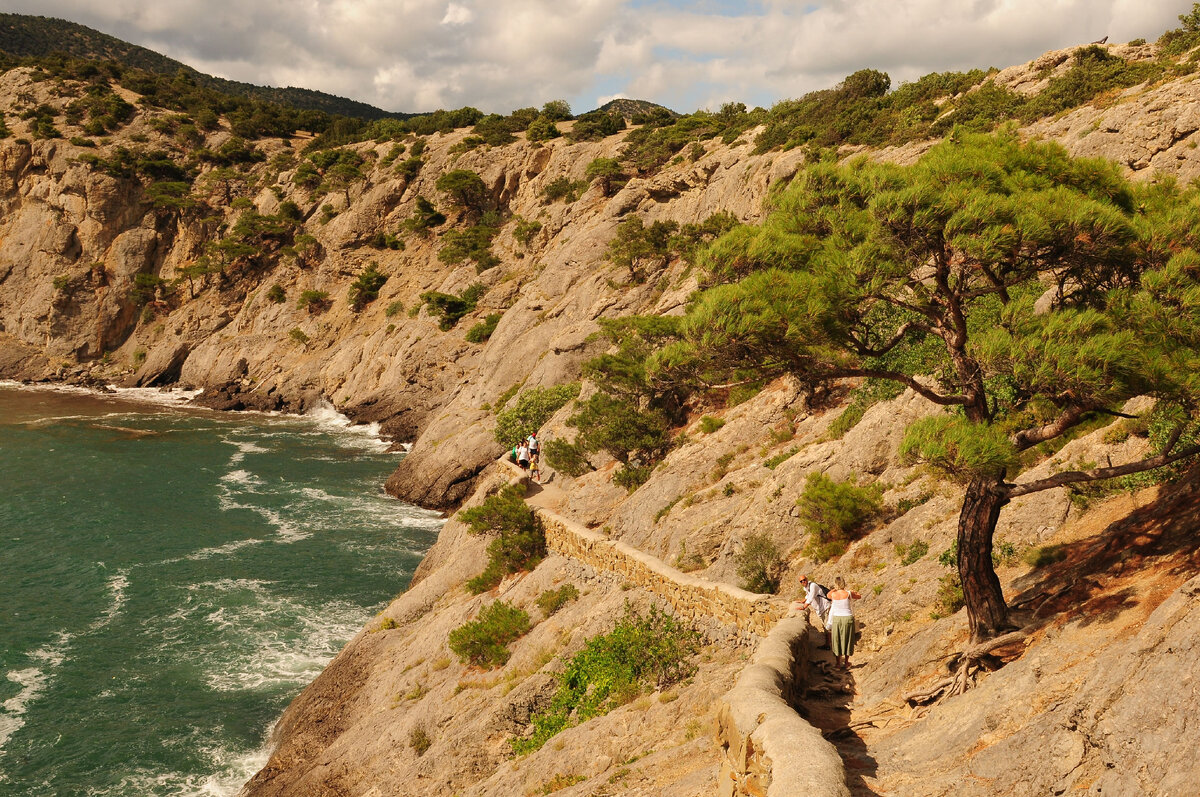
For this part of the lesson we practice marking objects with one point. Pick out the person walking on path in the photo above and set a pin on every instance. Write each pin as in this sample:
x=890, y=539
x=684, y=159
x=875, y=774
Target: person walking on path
x=841, y=622
x=523, y=455
x=535, y=446
x=817, y=597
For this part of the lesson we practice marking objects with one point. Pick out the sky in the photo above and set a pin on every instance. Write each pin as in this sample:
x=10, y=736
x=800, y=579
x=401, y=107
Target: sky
x=499, y=55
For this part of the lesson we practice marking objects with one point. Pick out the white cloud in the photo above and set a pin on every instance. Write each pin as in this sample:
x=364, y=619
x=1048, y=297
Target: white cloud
x=417, y=55
x=457, y=15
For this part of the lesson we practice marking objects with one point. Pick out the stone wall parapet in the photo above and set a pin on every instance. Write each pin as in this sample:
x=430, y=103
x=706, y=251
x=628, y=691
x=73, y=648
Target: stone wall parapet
x=769, y=750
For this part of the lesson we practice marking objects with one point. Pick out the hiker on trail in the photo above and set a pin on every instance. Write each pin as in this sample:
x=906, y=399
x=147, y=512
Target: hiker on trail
x=535, y=447
x=817, y=597
x=535, y=470
x=841, y=622
x=523, y=455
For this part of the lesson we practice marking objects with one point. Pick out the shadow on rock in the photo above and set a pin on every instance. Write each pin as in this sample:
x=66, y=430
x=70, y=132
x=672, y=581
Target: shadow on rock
x=827, y=707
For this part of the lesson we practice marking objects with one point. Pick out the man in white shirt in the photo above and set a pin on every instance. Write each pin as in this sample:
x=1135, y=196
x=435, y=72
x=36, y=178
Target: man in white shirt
x=815, y=596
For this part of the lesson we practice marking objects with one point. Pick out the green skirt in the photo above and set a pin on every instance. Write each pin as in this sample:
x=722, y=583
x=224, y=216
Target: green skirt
x=842, y=632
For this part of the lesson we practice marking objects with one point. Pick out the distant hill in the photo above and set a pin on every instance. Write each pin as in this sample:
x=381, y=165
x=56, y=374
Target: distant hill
x=24, y=36
x=631, y=108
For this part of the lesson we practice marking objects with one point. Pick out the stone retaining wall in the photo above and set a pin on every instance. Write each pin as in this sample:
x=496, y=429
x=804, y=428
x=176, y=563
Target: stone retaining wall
x=692, y=598
x=768, y=748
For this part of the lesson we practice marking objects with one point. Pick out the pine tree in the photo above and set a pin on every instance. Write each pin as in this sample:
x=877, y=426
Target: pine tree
x=1019, y=288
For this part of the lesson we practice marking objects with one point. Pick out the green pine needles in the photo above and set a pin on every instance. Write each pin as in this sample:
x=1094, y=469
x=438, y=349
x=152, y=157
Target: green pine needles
x=484, y=641
x=519, y=539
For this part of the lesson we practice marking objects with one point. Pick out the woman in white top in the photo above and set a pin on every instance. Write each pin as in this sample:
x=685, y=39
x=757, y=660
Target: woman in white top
x=841, y=622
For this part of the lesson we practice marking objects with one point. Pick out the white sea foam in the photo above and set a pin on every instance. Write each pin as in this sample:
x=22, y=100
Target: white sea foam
x=229, y=770
x=116, y=586
x=257, y=638
x=242, y=478
x=221, y=550
x=33, y=681
x=244, y=447
x=169, y=397
x=348, y=433
x=379, y=511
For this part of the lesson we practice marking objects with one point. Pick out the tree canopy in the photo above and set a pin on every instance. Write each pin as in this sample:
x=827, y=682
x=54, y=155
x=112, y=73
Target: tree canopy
x=1017, y=287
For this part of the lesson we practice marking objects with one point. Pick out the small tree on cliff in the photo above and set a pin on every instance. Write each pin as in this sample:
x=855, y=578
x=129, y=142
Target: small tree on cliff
x=1015, y=286
x=466, y=189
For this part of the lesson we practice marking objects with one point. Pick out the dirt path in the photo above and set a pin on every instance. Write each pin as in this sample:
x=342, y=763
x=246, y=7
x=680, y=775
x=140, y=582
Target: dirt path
x=548, y=496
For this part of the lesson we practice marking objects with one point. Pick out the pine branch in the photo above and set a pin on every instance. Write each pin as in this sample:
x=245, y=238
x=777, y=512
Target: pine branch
x=1031, y=437
x=865, y=351
x=904, y=379
x=1096, y=474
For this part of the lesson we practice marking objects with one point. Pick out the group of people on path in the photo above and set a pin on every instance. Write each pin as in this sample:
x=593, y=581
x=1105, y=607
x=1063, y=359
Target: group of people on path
x=527, y=454
x=835, y=607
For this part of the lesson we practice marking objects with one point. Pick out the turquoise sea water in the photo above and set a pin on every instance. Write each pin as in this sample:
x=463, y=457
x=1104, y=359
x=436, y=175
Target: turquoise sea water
x=171, y=578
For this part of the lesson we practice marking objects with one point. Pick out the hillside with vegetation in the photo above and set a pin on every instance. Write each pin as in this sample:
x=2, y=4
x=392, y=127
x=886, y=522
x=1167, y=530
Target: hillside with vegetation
x=25, y=36
x=939, y=338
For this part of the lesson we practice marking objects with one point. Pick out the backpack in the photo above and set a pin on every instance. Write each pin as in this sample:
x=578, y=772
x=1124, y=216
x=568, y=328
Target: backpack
x=821, y=591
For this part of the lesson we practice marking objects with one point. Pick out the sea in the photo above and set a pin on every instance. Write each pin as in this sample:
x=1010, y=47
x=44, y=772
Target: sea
x=171, y=577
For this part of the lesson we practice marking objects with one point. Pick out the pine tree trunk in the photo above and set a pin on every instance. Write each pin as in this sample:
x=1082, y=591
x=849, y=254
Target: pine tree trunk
x=987, y=612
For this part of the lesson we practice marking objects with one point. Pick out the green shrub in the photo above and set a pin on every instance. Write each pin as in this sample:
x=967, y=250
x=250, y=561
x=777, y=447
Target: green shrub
x=1048, y=555
x=533, y=408
x=949, y=594
x=759, y=564
x=595, y=125
x=484, y=329
x=144, y=286
x=483, y=642
x=465, y=188
x=419, y=741
x=385, y=240
x=542, y=129
x=709, y=424
x=297, y=335
x=780, y=458
x=906, y=505
x=474, y=243
x=450, y=308
x=410, y=167
x=525, y=230
x=629, y=434
x=640, y=653
x=503, y=398
x=276, y=294
x=394, y=309
x=1003, y=553
x=552, y=600
x=912, y=552
x=631, y=476
x=567, y=458
x=608, y=173
x=833, y=512
x=315, y=301
x=1093, y=72
x=365, y=288
x=424, y=217
x=563, y=188
x=520, y=540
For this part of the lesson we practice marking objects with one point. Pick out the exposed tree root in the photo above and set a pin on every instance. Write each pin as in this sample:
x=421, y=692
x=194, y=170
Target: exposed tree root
x=965, y=668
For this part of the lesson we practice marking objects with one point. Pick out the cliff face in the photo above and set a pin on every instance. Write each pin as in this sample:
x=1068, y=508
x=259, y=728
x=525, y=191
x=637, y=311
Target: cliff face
x=74, y=240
